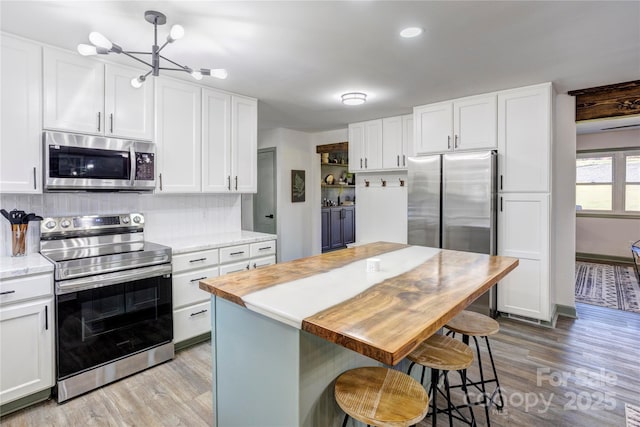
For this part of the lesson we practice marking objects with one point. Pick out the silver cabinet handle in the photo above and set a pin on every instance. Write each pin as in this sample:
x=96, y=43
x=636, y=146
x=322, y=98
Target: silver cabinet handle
x=7, y=292
x=366, y=166
x=99, y=121
x=161, y=182
x=46, y=317
x=501, y=182
x=255, y=265
x=198, y=312
x=404, y=160
x=197, y=280
x=361, y=163
x=449, y=142
x=455, y=144
x=35, y=184
x=236, y=182
x=111, y=123
x=500, y=204
x=264, y=248
x=248, y=266
x=398, y=160
x=229, y=182
x=237, y=253
x=197, y=260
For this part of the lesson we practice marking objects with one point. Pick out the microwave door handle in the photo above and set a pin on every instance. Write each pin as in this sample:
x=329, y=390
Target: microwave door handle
x=134, y=165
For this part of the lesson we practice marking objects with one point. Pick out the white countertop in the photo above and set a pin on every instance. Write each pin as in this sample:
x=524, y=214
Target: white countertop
x=24, y=265
x=186, y=244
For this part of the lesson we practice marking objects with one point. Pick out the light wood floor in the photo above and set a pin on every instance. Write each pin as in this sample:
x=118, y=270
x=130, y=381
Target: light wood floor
x=587, y=368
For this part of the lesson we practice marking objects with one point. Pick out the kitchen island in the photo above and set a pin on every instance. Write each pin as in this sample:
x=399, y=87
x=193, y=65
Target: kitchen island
x=282, y=334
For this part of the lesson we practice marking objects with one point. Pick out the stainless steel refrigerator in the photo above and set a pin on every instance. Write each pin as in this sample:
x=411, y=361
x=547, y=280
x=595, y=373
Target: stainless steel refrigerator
x=452, y=205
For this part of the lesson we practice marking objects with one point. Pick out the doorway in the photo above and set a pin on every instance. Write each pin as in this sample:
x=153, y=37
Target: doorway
x=264, y=204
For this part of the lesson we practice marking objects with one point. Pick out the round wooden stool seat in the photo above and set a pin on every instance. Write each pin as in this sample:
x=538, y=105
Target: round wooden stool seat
x=473, y=324
x=442, y=353
x=381, y=397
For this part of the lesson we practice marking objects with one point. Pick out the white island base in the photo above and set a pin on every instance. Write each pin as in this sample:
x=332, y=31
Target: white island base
x=267, y=373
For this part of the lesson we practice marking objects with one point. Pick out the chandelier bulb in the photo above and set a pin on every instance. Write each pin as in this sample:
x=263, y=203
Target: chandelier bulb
x=219, y=73
x=176, y=33
x=87, y=50
x=196, y=75
x=99, y=40
x=136, y=82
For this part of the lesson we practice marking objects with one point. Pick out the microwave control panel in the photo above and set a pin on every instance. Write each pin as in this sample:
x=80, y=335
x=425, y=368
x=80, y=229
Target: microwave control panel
x=144, y=167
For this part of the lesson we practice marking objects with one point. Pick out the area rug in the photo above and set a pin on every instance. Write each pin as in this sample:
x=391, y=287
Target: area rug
x=632, y=414
x=606, y=285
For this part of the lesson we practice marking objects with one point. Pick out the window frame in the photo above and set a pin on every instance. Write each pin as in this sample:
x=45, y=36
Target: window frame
x=619, y=182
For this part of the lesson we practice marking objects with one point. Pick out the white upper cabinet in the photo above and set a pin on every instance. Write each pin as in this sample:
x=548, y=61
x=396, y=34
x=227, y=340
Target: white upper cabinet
x=216, y=141
x=524, y=139
x=21, y=87
x=244, y=144
x=407, y=138
x=128, y=111
x=85, y=95
x=463, y=124
x=397, y=141
x=365, y=146
x=178, y=136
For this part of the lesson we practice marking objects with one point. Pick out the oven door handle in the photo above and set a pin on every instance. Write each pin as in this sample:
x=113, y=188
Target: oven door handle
x=100, y=280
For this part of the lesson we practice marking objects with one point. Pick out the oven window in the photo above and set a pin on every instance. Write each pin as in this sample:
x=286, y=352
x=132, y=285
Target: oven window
x=75, y=162
x=100, y=325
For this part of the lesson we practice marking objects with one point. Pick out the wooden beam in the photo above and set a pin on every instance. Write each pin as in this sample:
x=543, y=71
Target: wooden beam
x=333, y=148
x=616, y=100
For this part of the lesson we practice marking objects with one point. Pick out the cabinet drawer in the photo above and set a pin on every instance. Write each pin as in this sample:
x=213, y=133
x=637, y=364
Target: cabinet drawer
x=234, y=253
x=193, y=260
x=263, y=248
x=27, y=287
x=185, y=286
x=191, y=321
x=263, y=262
x=235, y=267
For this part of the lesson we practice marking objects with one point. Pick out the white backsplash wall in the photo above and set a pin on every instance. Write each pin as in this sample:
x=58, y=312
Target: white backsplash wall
x=166, y=216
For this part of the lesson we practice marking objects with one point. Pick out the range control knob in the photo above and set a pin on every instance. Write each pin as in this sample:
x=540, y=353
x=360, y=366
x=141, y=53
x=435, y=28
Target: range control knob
x=65, y=223
x=50, y=225
x=137, y=219
x=125, y=220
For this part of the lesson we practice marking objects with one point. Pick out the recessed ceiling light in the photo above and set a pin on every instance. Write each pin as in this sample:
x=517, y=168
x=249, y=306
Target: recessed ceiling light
x=354, y=98
x=411, y=32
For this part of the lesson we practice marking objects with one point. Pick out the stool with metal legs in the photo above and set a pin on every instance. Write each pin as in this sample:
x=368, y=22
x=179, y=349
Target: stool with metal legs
x=381, y=397
x=443, y=354
x=471, y=324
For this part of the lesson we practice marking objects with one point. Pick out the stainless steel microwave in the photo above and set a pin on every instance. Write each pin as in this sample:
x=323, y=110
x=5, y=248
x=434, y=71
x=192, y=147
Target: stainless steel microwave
x=74, y=162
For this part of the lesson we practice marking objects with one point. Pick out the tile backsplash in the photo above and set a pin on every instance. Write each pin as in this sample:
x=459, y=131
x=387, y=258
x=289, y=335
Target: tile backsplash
x=166, y=216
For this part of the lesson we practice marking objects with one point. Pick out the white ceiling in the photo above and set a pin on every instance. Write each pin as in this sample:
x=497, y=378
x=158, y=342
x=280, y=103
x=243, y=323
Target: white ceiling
x=297, y=57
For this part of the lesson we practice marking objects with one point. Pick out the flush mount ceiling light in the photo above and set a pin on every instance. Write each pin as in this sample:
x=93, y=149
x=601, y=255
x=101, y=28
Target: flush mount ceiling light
x=354, y=98
x=103, y=46
x=407, y=33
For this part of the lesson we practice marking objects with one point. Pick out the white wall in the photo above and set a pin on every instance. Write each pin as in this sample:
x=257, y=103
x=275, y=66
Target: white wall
x=166, y=216
x=609, y=237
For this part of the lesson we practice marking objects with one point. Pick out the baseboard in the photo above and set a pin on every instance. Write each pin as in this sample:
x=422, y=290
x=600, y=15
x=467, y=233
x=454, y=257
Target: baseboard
x=566, y=311
x=582, y=256
x=23, y=402
x=192, y=341
x=531, y=320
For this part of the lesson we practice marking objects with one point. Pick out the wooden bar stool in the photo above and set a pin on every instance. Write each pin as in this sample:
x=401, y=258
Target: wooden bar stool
x=381, y=397
x=443, y=354
x=471, y=324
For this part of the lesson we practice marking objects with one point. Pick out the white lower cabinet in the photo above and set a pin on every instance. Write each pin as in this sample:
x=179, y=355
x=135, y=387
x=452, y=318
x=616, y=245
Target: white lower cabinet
x=189, y=301
x=523, y=233
x=26, y=336
x=247, y=257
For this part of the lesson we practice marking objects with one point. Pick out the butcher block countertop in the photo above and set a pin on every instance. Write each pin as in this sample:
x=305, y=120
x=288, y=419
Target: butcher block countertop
x=381, y=314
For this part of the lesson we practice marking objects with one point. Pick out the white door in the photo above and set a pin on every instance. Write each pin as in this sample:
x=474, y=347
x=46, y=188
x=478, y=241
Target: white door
x=128, y=111
x=523, y=233
x=264, y=201
x=244, y=144
x=392, y=142
x=432, y=128
x=524, y=139
x=26, y=349
x=475, y=123
x=73, y=92
x=178, y=127
x=216, y=141
x=356, y=147
x=20, y=137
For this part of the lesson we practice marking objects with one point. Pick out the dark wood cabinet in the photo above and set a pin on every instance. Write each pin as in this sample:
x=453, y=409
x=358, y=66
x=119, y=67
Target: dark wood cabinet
x=338, y=227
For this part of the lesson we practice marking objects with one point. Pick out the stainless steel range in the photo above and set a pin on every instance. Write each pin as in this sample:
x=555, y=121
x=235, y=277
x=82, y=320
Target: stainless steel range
x=113, y=299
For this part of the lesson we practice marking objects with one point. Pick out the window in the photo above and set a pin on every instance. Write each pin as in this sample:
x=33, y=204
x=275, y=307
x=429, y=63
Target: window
x=608, y=182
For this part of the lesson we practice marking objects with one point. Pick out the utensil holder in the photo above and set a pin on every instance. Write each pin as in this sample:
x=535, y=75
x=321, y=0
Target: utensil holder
x=18, y=239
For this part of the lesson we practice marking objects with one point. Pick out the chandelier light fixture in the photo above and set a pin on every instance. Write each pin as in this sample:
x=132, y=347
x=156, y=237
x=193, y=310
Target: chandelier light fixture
x=354, y=98
x=100, y=45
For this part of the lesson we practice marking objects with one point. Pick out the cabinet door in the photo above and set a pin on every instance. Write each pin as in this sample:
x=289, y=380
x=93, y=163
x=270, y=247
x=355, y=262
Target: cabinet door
x=432, y=128
x=348, y=225
x=244, y=144
x=191, y=321
x=337, y=240
x=356, y=147
x=407, y=138
x=73, y=92
x=524, y=139
x=20, y=147
x=128, y=111
x=392, y=142
x=325, y=218
x=178, y=136
x=475, y=123
x=26, y=349
x=216, y=141
x=373, y=145
x=523, y=233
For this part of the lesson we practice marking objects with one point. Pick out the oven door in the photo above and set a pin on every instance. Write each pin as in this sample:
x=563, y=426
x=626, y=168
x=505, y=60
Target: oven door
x=98, y=325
